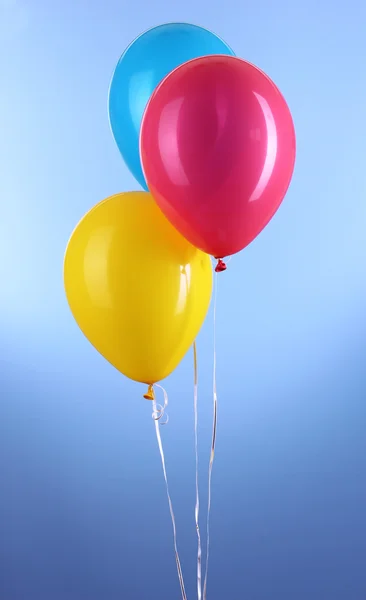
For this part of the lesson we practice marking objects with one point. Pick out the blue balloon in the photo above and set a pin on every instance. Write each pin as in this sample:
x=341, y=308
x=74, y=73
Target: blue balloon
x=144, y=64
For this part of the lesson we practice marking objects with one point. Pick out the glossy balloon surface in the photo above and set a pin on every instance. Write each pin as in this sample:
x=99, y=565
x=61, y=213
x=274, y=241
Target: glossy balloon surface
x=141, y=68
x=218, y=151
x=137, y=289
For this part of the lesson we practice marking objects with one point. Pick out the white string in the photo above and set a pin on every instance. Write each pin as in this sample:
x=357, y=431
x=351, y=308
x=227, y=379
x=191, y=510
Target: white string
x=197, y=507
x=158, y=412
x=213, y=442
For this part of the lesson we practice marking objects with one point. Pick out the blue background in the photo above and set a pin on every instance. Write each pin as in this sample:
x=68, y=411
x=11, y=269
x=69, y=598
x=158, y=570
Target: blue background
x=83, y=512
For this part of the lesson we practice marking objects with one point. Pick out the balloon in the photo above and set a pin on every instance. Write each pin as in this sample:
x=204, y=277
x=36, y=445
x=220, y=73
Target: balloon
x=142, y=66
x=137, y=289
x=218, y=151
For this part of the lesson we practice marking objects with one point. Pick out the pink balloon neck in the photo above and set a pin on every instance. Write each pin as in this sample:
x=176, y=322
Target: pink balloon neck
x=221, y=266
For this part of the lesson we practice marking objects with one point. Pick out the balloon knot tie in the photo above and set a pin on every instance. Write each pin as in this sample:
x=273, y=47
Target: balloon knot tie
x=221, y=266
x=150, y=394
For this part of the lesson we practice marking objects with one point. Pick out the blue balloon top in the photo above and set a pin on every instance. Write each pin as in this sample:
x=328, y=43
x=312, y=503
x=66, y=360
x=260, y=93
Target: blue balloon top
x=143, y=65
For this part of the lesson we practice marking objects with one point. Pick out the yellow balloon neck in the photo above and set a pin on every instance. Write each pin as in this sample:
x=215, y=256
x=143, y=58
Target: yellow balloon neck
x=150, y=394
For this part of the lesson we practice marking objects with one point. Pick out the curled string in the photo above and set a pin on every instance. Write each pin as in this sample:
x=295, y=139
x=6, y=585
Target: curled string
x=213, y=443
x=197, y=507
x=158, y=412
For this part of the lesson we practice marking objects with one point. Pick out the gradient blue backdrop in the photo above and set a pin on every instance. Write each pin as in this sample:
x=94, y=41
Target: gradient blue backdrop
x=83, y=512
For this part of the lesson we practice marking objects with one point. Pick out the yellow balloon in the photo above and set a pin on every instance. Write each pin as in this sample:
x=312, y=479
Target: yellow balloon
x=137, y=289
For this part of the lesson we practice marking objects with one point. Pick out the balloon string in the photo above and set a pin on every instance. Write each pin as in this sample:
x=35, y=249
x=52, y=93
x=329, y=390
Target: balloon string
x=197, y=507
x=158, y=412
x=213, y=442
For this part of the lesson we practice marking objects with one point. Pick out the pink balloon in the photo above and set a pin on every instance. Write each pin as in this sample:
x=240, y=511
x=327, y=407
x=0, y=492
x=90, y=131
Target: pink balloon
x=218, y=151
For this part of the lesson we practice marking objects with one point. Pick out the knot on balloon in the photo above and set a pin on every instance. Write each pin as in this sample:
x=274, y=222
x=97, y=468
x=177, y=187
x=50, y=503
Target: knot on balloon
x=221, y=266
x=150, y=394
